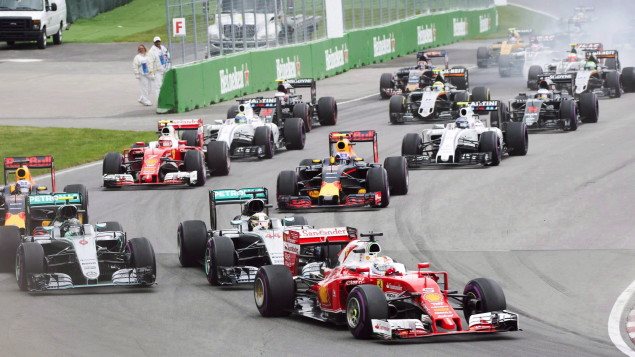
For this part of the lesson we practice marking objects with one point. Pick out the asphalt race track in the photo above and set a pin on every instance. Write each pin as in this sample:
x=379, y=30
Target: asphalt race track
x=554, y=228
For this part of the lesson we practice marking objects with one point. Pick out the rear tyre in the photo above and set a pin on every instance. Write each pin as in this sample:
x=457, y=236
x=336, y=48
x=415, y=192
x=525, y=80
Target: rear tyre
x=397, y=170
x=569, y=114
x=462, y=97
x=397, y=109
x=263, y=137
x=482, y=57
x=613, y=82
x=461, y=83
x=217, y=158
x=81, y=189
x=482, y=295
x=365, y=303
x=480, y=94
x=532, y=77
x=517, y=139
x=142, y=257
x=499, y=117
x=294, y=134
x=219, y=252
x=111, y=226
x=274, y=291
x=377, y=181
x=194, y=162
x=411, y=144
x=611, y=63
x=287, y=184
x=191, y=137
x=29, y=260
x=191, y=239
x=10, y=239
x=489, y=142
x=232, y=112
x=385, y=82
x=589, y=108
x=302, y=111
x=628, y=79
x=327, y=111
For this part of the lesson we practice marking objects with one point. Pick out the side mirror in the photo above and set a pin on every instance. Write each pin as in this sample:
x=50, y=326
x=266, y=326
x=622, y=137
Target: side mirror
x=288, y=220
x=332, y=160
x=236, y=222
x=41, y=188
x=140, y=144
x=423, y=266
x=218, y=121
x=359, y=250
x=54, y=7
x=100, y=226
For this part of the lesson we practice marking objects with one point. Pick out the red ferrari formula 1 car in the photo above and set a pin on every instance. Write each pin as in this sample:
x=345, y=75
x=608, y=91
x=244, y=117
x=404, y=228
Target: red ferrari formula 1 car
x=179, y=157
x=343, y=179
x=374, y=295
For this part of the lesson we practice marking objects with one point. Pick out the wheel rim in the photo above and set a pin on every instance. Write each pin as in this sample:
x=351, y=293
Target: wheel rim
x=259, y=292
x=208, y=262
x=178, y=243
x=353, y=312
x=18, y=268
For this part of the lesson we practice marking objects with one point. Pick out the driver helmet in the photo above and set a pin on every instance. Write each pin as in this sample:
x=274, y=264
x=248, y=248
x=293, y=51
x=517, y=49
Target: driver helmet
x=281, y=88
x=259, y=221
x=438, y=85
x=462, y=123
x=542, y=93
x=590, y=65
x=241, y=118
x=381, y=265
x=422, y=64
x=71, y=228
x=24, y=186
x=165, y=142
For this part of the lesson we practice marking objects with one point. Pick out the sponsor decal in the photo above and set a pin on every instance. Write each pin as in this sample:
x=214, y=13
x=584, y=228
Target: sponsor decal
x=234, y=79
x=83, y=241
x=323, y=295
x=460, y=27
x=288, y=68
x=383, y=45
x=394, y=287
x=380, y=284
x=426, y=34
x=484, y=23
x=433, y=297
x=382, y=327
x=151, y=160
x=322, y=232
x=336, y=57
x=291, y=248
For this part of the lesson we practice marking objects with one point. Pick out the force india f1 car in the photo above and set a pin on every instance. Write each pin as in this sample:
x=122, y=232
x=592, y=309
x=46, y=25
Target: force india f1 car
x=233, y=256
x=344, y=179
x=436, y=102
x=179, y=157
x=68, y=254
x=553, y=106
x=288, y=104
x=374, y=295
x=467, y=141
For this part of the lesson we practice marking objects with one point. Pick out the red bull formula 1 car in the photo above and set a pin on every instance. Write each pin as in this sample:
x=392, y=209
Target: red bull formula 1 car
x=374, y=295
x=344, y=179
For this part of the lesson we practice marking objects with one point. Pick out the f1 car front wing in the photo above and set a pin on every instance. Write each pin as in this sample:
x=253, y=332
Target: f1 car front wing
x=60, y=281
x=475, y=158
x=352, y=200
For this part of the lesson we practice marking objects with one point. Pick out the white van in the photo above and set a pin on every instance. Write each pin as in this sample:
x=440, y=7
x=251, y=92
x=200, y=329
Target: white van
x=32, y=20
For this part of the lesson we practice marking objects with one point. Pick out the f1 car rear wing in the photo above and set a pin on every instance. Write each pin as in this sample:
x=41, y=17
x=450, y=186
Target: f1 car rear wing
x=589, y=46
x=259, y=102
x=236, y=196
x=13, y=164
x=296, y=242
x=42, y=208
x=558, y=78
x=302, y=82
x=482, y=106
x=421, y=55
x=180, y=124
x=603, y=54
x=358, y=136
x=584, y=8
x=455, y=72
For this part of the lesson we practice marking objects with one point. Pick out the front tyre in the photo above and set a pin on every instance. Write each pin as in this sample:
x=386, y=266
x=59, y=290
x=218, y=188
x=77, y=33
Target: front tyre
x=365, y=303
x=29, y=260
x=142, y=257
x=219, y=252
x=194, y=162
x=274, y=291
x=397, y=169
x=482, y=295
x=191, y=238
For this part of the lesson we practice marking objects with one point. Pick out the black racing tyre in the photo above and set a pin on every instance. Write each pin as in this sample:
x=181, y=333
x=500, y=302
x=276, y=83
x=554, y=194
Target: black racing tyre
x=41, y=41
x=57, y=38
x=219, y=252
x=412, y=144
x=327, y=111
x=110, y=226
x=190, y=136
x=232, y=112
x=461, y=83
x=191, y=239
x=397, y=170
x=482, y=57
x=488, y=142
x=463, y=96
x=142, y=257
x=365, y=303
x=274, y=291
x=517, y=138
x=113, y=164
x=194, y=162
x=263, y=137
x=480, y=94
x=81, y=189
x=611, y=63
x=29, y=259
x=532, y=77
x=287, y=183
x=302, y=111
x=385, y=82
x=628, y=79
x=589, y=107
x=217, y=158
x=498, y=117
x=613, y=82
x=568, y=111
x=294, y=134
x=397, y=109
x=504, y=66
x=482, y=295
x=377, y=181
x=10, y=239
x=306, y=162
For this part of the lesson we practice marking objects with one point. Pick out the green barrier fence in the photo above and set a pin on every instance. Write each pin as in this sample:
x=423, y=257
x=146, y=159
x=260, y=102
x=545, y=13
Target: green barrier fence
x=90, y=8
x=200, y=84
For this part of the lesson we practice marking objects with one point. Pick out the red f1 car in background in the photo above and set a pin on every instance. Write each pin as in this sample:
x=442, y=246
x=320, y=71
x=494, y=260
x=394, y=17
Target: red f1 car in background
x=372, y=294
x=179, y=157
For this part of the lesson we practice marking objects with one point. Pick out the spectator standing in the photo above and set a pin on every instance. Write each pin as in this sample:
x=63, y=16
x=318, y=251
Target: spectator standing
x=162, y=63
x=144, y=71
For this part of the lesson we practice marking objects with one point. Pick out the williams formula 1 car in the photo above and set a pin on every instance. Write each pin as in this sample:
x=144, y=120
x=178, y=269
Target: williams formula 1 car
x=467, y=141
x=375, y=296
x=344, y=179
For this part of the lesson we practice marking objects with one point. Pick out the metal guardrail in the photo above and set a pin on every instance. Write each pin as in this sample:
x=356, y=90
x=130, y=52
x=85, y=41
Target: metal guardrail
x=219, y=27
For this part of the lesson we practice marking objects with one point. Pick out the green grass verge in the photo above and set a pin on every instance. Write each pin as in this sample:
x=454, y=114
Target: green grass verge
x=513, y=16
x=137, y=21
x=69, y=147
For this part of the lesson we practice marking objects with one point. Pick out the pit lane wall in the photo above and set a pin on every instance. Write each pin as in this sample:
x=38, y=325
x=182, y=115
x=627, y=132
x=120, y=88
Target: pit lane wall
x=200, y=84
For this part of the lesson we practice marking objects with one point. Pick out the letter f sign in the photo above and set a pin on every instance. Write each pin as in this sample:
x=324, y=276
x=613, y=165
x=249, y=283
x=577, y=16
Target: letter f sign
x=178, y=27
